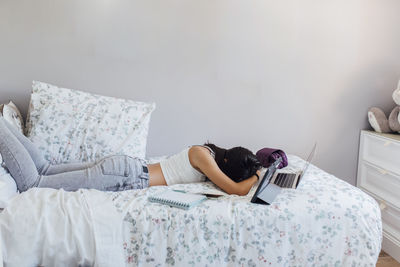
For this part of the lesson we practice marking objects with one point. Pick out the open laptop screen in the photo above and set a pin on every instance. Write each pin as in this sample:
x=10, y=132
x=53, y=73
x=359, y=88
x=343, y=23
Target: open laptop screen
x=269, y=174
x=309, y=159
x=266, y=178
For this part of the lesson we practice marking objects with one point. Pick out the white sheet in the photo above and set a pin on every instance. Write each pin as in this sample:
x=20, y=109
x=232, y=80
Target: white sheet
x=324, y=221
x=47, y=227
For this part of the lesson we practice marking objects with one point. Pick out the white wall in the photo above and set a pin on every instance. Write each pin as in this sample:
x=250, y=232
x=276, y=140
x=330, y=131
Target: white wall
x=253, y=73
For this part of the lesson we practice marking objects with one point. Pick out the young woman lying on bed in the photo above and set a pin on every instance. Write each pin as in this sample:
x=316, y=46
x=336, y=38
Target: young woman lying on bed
x=234, y=170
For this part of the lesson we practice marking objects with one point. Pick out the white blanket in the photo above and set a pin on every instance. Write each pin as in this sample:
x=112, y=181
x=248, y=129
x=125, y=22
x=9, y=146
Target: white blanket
x=323, y=221
x=50, y=227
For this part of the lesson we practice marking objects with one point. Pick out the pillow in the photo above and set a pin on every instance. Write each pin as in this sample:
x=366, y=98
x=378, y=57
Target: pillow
x=12, y=115
x=74, y=126
x=8, y=187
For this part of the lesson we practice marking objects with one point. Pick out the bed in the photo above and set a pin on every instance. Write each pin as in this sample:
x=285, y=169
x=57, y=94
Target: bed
x=324, y=222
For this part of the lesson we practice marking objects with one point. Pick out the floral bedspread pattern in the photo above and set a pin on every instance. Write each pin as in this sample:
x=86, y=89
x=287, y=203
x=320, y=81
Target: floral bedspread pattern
x=324, y=222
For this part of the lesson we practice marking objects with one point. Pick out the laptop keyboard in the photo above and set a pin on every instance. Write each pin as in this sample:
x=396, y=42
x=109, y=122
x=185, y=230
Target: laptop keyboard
x=285, y=180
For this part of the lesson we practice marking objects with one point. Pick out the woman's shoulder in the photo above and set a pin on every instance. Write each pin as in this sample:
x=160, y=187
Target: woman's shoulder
x=197, y=149
x=199, y=153
x=201, y=150
x=204, y=148
x=200, y=158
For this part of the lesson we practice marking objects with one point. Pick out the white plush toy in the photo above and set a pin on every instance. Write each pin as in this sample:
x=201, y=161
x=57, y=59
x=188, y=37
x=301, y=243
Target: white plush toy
x=380, y=122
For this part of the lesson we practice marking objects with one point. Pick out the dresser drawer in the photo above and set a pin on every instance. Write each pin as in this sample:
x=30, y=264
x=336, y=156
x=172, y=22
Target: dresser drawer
x=381, y=183
x=383, y=152
x=390, y=219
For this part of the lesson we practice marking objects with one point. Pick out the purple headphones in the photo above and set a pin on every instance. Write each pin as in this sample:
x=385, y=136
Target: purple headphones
x=267, y=156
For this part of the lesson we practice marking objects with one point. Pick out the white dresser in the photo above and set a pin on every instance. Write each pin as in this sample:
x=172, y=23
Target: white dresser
x=379, y=175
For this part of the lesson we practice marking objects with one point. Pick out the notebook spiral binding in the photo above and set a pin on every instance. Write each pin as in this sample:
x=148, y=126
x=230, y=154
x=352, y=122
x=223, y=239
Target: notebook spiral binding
x=176, y=203
x=168, y=202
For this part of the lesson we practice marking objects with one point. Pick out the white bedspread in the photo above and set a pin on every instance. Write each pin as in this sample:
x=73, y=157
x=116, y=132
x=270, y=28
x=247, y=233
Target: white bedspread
x=325, y=221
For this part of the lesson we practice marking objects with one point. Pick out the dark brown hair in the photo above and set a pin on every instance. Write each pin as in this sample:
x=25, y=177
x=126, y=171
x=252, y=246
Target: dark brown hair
x=238, y=163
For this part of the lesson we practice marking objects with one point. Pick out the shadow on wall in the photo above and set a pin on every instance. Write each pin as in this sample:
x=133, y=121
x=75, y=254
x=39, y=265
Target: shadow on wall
x=344, y=138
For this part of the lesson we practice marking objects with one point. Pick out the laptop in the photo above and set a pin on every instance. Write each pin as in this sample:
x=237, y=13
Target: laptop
x=274, y=180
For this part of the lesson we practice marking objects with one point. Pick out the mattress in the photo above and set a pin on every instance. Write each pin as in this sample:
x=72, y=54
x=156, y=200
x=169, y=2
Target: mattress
x=325, y=221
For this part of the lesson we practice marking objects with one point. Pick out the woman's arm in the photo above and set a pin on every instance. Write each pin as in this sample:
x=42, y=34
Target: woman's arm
x=246, y=185
x=201, y=159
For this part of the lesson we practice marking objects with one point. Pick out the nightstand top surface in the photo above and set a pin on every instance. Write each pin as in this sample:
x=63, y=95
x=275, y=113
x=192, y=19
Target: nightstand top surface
x=390, y=136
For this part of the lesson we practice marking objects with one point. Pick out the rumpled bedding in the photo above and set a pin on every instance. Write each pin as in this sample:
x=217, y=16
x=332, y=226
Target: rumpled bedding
x=325, y=221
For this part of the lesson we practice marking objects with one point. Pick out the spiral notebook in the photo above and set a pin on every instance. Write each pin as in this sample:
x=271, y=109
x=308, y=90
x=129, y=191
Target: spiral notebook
x=178, y=199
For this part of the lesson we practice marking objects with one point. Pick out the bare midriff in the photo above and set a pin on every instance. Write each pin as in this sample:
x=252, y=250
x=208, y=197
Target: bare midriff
x=156, y=176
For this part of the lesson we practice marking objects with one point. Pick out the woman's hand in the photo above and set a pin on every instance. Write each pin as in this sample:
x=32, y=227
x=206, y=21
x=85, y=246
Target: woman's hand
x=259, y=174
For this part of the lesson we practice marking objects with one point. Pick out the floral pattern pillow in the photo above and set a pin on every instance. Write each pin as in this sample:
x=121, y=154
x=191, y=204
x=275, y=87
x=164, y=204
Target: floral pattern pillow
x=74, y=126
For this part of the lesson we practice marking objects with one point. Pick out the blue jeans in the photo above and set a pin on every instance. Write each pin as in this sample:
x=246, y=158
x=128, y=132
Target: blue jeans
x=29, y=168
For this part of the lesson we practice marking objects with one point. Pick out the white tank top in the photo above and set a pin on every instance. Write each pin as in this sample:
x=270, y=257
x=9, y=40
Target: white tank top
x=178, y=170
